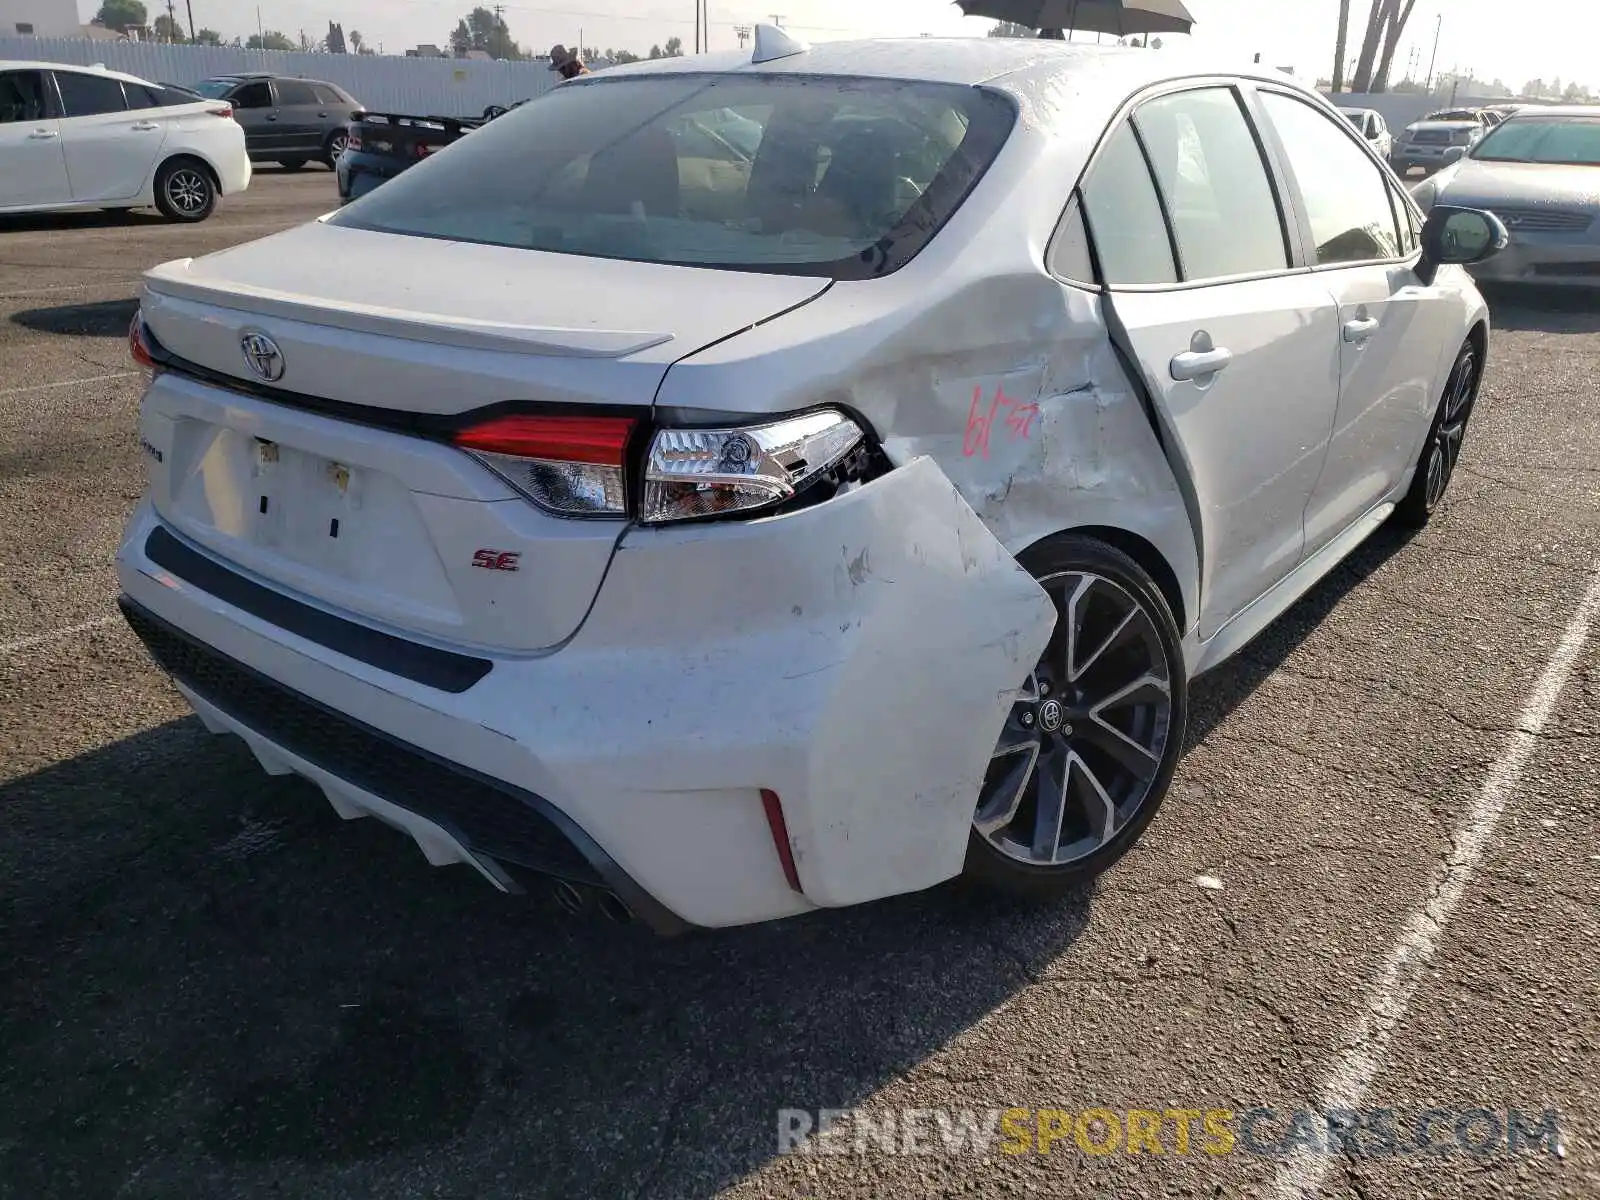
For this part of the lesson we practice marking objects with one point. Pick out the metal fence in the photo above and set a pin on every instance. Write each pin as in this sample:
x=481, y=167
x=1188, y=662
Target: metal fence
x=456, y=87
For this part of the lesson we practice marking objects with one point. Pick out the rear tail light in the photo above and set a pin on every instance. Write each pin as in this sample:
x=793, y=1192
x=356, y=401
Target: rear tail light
x=423, y=149
x=354, y=140
x=139, y=346
x=570, y=466
x=225, y=112
x=713, y=472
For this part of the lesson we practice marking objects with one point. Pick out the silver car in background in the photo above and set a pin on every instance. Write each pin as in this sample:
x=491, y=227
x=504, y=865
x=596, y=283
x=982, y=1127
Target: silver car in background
x=1436, y=141
x=1539, y=172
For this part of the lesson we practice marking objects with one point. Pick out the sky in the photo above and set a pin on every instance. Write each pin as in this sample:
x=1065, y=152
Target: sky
x=1531, y=39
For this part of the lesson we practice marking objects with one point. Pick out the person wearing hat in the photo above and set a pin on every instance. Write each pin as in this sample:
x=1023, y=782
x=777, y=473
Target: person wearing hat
x=567, y=63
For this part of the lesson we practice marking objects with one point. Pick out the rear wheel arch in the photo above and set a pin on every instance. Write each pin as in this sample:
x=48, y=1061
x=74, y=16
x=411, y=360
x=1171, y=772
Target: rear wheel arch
x=189, y=157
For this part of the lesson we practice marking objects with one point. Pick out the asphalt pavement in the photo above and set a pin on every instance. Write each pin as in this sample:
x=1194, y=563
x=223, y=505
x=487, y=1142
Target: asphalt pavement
x=1373, y=886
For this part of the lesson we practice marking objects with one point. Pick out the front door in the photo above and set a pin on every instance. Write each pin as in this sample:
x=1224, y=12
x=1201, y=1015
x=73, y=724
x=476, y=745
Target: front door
x=257, y=112
x=299, y=119
x=33, y=170
x=110, y=151
x=1238, y=350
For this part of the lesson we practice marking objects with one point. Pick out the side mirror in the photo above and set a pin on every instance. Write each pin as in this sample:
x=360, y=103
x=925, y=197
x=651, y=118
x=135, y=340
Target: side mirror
x=1454, y=155
x=1460, y=237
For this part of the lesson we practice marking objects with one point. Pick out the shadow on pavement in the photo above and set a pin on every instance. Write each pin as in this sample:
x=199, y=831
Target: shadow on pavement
x=103, y=318
x=209, y=976
x=1543, y=309
x=119, y=218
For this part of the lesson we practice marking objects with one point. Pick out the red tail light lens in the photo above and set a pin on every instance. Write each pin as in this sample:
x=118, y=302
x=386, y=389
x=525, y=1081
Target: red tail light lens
x=570, y=466
x=225, y=112
x=354, y=142
x=139, y=347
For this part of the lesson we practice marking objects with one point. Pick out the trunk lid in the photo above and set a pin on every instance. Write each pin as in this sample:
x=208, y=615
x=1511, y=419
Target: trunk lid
x=382, y=524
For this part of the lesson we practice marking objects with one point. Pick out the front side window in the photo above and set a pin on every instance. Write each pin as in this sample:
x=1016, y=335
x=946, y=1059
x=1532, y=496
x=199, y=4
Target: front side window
x=254, y=95
x=1564, y=141
x=22, y=97
x=1124, y=215
x=89, y=95
x=1344, y=191
x=834, y=177
x=1220, y=200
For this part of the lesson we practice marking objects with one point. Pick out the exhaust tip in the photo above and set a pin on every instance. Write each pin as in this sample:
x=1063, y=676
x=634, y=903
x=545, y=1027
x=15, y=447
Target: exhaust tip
x=615, y=909
x=570, y=898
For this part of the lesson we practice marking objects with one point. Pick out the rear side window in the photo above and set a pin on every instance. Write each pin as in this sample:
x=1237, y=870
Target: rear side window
x=1345, y=192
x=89, y=95
x=1224, y=214
x=22, y=97
x=329, y=95
x=139, y=96
x=293, y=91
x=827, y=176
x=1124, y=215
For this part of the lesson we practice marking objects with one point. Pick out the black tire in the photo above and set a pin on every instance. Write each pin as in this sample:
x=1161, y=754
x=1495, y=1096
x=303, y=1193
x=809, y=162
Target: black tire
x=334, y=147
x=1441, y=450
x=1058, y=563
x=292, y=164
x=185, y=191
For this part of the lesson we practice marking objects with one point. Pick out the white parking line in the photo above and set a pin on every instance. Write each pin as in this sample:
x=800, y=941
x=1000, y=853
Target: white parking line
x=1346, y=1085
x=44, y=387
x=55, y=635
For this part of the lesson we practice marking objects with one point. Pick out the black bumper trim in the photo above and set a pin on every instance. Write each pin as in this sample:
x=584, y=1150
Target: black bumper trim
x=488, y=815
x=427, y=665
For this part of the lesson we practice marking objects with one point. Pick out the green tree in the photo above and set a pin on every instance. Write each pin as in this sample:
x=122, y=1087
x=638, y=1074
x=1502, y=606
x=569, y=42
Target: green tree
x=270, y=40
x=123, y=15
x=482, y=30
x=1010, y=29
x=168, y=30
x=655, y=53
x=208, y=37
x=673, y=48
x=621, y=57
x=358, y=44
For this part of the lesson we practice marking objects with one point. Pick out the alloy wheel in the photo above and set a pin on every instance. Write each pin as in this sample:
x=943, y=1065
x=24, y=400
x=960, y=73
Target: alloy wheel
x=1087, y=735
x=1460, y=393
x=337, y=144
x=188, y=190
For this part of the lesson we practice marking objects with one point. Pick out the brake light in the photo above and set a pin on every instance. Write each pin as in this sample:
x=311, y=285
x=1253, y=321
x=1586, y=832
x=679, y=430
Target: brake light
x=139, y=347
x=353, y=141
x=225, y=112
x=423, y=149
x=570, y=466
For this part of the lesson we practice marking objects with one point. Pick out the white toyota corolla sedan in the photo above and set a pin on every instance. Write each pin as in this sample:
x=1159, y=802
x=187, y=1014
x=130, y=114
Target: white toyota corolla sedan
x=75, y=138
x=734, y=487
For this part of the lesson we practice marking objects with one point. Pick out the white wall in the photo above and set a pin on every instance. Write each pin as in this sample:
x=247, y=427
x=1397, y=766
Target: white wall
x=49, y=18
x=449, y=87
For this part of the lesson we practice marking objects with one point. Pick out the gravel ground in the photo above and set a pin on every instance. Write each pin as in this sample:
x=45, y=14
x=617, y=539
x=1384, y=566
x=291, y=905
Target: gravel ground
x=213, y=987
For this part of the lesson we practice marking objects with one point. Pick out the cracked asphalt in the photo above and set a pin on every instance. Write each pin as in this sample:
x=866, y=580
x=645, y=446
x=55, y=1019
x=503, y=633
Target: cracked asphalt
x=213, y=987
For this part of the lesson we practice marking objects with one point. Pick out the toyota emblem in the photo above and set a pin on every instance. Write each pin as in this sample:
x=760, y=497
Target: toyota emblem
x=262, y=356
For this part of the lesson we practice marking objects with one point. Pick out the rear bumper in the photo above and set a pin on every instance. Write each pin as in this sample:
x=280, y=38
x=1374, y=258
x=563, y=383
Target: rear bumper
x=361, y=173
x=857, y=659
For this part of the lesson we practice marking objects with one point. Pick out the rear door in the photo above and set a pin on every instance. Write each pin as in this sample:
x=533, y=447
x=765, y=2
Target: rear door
x=257, y=112
x=33, y=169
x=1361, y=238
x=1238, y=348
x=300, y=116
x=110, y=150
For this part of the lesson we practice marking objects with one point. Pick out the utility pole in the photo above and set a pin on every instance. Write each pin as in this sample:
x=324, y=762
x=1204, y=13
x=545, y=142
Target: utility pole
x=1434, y=61
x=189, y=4
x=172, y=23
x=777, y=19
x=742, y=32
x=1341, y=46
x=697, y=26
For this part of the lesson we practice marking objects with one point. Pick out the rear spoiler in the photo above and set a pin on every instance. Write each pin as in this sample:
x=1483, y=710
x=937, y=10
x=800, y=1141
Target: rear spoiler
x=455, y=126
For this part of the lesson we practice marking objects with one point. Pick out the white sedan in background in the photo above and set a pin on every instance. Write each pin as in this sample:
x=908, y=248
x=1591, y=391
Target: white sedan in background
x=735, y=530
x=87, y=138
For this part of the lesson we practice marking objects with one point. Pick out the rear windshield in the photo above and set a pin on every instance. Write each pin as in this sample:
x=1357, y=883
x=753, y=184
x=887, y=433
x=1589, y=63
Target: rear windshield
x=842, y=178
x=1572, y=141
x=216, y=89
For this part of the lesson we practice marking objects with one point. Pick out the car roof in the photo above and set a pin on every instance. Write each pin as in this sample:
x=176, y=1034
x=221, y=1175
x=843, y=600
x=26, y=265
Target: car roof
x=1362, y=111
x=1556, y=110
x=969, y=61
x=7, y=65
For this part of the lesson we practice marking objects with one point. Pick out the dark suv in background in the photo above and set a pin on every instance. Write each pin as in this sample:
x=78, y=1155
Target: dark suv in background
x=287, y=120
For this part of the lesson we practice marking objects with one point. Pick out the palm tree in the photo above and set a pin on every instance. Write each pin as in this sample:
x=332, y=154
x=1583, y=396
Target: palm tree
x=356, y=40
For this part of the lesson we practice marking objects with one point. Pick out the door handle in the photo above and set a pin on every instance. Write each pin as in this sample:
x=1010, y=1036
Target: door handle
x=322, y=116
x=272, y=116
x=1197, y=364
x=145, y=126
x=1360, y=330
x=43, y=135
